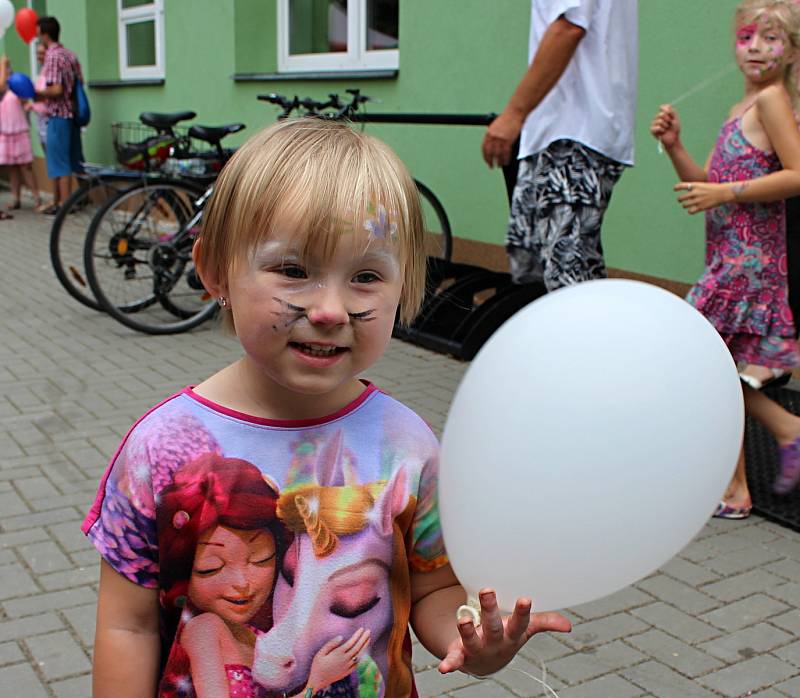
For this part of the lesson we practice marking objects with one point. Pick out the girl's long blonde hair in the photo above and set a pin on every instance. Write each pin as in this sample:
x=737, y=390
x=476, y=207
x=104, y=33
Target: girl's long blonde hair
x=786, y=13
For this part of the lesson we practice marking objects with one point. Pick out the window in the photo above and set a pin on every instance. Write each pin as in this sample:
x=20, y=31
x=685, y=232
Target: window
x=330, y=35
x=141, y=39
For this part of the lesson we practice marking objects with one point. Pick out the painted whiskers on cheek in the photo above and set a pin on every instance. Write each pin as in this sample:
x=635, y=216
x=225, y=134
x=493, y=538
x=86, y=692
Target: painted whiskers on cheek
x=289, y=313
x=365, y=316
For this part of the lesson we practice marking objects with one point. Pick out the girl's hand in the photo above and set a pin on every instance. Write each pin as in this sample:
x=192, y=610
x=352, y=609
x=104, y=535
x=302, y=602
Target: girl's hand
x=666, y=126
x=337, y=659
x=701, y=196
x=489, y=647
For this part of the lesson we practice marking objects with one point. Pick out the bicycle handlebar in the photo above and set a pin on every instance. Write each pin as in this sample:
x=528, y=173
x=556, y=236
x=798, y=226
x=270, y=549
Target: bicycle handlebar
x=351, y=111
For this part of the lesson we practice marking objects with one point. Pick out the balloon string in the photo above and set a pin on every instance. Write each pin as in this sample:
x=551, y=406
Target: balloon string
x=697, y=88
x=542, y=681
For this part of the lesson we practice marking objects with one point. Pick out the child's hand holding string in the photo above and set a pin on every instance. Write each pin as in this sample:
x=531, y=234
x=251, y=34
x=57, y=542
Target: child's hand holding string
x=489, y=647
x=666, y=126
x=701, y=196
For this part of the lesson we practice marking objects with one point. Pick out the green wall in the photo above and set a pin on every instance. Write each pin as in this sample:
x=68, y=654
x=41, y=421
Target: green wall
x=462, y=56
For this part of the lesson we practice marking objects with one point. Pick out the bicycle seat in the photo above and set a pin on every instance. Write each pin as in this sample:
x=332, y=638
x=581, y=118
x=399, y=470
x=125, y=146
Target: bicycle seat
x=214, y=134
x=160, y=121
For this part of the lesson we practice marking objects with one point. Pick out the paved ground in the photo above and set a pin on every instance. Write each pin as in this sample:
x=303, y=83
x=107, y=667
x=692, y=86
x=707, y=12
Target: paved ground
x=721, y=619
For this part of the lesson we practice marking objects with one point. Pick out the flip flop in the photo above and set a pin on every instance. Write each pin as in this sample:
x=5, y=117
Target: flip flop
x=48, y=210
x=13, y=206
x=4, y=216
x=726, y=511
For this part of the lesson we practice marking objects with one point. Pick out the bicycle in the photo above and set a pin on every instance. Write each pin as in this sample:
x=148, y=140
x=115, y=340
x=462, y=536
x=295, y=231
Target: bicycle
x=137, y=252
x=438, y=233
x=141, y=159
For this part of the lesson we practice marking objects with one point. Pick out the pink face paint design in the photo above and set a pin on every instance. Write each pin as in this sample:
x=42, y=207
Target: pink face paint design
x=745, y=34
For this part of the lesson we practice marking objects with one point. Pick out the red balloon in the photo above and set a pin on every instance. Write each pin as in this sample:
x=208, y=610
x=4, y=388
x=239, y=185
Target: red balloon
x=26, y=24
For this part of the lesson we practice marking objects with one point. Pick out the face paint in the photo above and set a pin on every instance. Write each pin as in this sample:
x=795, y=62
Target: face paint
x=379, y=227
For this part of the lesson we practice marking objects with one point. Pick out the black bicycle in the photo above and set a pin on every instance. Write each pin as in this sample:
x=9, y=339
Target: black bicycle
x=438, y=233
x=137, y=251
x=143, y=149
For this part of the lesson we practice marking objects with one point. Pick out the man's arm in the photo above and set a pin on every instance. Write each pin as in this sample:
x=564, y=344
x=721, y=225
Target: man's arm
x=50, y=92
x=555, y=51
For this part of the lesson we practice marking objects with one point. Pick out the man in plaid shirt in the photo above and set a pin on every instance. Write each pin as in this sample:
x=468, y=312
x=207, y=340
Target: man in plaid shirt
x=61, y=70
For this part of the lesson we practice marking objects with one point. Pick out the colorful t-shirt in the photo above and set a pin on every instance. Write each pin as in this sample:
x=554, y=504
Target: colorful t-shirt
x=61, y=67
x=268, y=540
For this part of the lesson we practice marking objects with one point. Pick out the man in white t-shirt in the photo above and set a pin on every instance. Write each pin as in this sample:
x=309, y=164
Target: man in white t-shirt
x=573, y=112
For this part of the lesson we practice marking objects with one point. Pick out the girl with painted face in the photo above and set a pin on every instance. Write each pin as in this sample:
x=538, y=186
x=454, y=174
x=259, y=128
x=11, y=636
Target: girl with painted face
x=313, y=244
x=754, y=166
x=223, y=546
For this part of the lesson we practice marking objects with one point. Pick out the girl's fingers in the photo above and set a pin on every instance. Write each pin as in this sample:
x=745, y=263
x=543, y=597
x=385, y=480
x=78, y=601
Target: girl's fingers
x=518, y=622
x=354, y=639
x=331, y=645
x=491, y=621
x=469, y=637
x=453, y=661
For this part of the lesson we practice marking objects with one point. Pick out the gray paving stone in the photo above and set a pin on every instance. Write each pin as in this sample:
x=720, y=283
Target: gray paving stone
x=741, y=585
x=662, y=682
x=10, y=653
x=749, y=675
x=598, y=632
x=7, y=557
x=11, y=503
x=543, y=647
x=688, y=572
x=741, y=614
x=57, y=655
x=15, y=580
x=82, y=621
x=742, y=560
x=787, y=568
x=432, y=683
x=24, y=681
x=79, y=576
x=582, y=666
x=747, y=643
x=32, y=625
x=69, y=536
x=488, y=688
x=43, y=518
x=789, y=653
x=50, y=601
x=788, y=593
x=522, y=678
x=678, y=594
x=675, y=622
x=628, y=598
x=79, y=687
x=44, y=557
x=790, y=687
x=605, y=686
x=676, y=654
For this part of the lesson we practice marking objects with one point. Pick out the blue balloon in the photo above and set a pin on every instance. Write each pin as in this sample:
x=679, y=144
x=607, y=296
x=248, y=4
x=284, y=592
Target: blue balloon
x=21, y=85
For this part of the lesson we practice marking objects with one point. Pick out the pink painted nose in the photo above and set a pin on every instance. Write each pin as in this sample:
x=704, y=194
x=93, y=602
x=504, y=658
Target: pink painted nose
x=327, y=308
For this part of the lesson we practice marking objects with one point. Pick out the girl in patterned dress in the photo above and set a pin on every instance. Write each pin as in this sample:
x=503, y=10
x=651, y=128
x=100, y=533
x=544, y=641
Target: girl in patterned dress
x=15, y=142
x=754, y=166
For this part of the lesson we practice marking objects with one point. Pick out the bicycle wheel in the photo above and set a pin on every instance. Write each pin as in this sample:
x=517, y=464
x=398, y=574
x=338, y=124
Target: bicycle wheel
x=438, y=236
x=138, y=259
x=68, y=235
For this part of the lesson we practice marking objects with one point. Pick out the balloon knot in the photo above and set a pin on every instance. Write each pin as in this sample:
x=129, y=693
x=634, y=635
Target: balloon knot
x=471, y=609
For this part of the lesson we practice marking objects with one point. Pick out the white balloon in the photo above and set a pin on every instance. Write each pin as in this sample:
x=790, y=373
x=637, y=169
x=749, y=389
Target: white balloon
x=588, y=443
x=6, y=14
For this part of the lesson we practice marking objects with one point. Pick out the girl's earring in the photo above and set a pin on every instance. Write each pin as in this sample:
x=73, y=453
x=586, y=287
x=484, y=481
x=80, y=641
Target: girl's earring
x=223, y=302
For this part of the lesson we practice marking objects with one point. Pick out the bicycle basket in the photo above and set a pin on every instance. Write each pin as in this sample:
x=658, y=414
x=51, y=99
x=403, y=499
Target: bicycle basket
x=141, y=147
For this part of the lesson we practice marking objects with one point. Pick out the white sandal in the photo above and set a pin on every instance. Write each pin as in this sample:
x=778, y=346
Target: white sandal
x=757, y=384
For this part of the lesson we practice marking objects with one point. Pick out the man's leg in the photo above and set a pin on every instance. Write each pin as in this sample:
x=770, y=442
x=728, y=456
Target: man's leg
x=575, y=195
x=522, y=243
x=62, y=189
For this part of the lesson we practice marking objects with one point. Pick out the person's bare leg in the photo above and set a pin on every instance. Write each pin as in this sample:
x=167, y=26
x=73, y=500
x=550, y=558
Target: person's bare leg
x=16, y=186
x=29, y=177
x=784, y=425
x=62, y=190
x=737, y=495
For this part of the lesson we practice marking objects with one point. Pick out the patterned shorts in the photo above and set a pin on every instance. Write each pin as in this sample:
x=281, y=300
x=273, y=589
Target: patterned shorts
x=557, y=208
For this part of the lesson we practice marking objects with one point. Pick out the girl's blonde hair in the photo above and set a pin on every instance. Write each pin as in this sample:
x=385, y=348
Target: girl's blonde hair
x=786, y=14
x=327, y=179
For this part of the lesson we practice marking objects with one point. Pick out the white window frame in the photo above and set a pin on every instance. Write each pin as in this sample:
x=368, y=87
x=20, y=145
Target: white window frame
x=132, y=15
x=357, y=57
